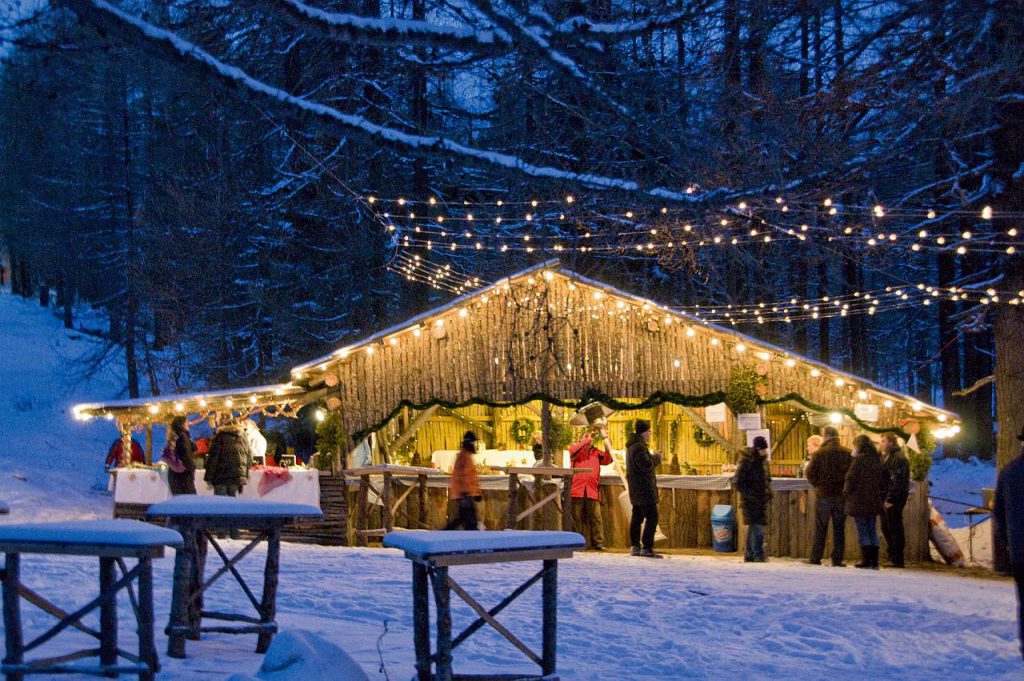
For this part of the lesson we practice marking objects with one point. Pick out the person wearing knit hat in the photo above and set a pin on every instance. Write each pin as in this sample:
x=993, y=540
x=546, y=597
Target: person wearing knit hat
x=1008, y=516
x=643, y=490
x=464, y=488
x=754, y=484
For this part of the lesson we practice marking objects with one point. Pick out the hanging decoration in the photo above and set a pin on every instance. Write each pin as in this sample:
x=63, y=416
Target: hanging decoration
x=521, y=431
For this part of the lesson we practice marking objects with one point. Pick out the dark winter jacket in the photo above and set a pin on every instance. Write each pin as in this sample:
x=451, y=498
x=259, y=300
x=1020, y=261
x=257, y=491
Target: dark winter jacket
x=184, y=482
x=866, y=485
x=640, y=465
x=229, y=458
x=276, y=446
x=828, y=467
x=1008, y=512
x=897, y=470
x=754, y=483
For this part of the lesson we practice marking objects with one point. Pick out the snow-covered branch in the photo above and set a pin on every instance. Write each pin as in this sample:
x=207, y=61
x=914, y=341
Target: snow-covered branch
x=386, y=32
x=168, y=45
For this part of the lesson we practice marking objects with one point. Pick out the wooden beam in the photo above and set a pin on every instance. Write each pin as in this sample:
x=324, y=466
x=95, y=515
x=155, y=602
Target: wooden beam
x=465, y=419
x=411, y=429
x=789, y=429
x=712, y=431
x=495, y=624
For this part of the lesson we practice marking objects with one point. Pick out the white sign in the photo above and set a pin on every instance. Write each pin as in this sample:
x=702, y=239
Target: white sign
x=715, y=413
x=763, y=432
x=749, y=421
x=866, y=412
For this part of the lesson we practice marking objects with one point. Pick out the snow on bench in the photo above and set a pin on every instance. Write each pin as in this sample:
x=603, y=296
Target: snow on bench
x=109, y=533
x=194, y=505
x=4, y=508
x=420, y=545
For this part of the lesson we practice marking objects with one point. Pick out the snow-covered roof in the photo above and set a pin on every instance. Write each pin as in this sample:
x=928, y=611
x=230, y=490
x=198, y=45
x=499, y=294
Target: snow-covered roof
x=426, y=544
x=244, y=397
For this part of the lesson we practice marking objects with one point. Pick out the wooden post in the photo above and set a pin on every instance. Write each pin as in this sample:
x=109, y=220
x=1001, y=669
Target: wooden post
x=442, y=601
x=545, y=424
x=147, y=647
x=149, y=443
x=385, y=497
x=183, y=570
x=422, y=481
x=12, y=614
x=421, y=621
x=195, y=595
x=268, y=604
x=361, y=514
x=550, y=610
x=513, y=501
x=108, y=615
x=567, y=523
x=343, y=508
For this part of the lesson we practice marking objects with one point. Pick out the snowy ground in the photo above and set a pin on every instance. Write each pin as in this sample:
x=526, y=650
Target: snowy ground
x=697, y=617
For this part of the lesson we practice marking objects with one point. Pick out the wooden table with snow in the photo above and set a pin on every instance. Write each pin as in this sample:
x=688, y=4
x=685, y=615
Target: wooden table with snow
x=198, y=518
x=149, y=485
x=112, y=541
x=432, y=553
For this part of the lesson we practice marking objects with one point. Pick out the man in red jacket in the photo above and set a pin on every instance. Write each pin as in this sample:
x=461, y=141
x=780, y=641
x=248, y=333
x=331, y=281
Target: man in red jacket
x=586, y=495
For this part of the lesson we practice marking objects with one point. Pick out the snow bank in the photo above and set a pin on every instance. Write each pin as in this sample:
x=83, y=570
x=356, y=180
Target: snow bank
x=960, y=481
x=303, y=656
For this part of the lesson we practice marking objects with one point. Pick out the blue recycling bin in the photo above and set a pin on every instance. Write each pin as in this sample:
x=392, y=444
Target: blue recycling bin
x=723, y=528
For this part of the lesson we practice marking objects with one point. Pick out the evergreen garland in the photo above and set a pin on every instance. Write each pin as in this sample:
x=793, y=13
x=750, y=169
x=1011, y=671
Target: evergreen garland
x=741, y=395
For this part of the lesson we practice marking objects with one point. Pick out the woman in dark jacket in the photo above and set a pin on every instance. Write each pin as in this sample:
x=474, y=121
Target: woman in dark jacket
x=227, y=464
x=754, y=484
x=643, y=490
x=183, y=482
x=864, y=492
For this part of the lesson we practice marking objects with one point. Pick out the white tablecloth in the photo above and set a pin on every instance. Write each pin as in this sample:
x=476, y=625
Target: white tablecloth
x=144, y=486
x=444, y=459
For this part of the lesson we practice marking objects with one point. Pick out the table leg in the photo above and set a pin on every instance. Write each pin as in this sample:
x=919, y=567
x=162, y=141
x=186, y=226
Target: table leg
x=421, y=621
x=183, y=571
x=442, y=601
x=361, y=511
x=423, y=501
x=108, y=615
x=550, y=610
x=513, y=501
x=12, y=614
x=195, y=594
x=385, y=494
x=268, y=606
x=147, y=647
x=567, y=523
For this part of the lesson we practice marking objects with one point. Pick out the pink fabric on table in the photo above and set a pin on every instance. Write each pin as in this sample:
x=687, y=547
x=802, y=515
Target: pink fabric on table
x=273, y=477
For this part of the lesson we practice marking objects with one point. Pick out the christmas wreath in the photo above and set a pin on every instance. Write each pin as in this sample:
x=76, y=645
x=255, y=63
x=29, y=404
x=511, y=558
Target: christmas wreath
x=521, y=431
x=702, y=438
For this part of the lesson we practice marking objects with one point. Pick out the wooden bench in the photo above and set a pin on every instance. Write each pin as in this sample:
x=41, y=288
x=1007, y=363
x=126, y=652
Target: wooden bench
x=112, y=541
x=387, y=472
x=198, y=519
x=432, y=553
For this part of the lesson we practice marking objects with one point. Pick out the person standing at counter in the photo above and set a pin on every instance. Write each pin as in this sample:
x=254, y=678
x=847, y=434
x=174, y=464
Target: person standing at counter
x=754, y=483
x=227, y=464
x=827, y=472
x=464, y=488
x=864, y=491
x=181, y=477
x=643, y=490
x=586, y=495
x=897, y=468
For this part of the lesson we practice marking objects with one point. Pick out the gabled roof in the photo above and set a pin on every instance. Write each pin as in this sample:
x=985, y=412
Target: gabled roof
x=552, y=268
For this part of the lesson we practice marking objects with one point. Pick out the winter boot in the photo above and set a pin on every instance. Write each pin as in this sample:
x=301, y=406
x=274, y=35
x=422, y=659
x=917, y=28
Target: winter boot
x=865, y=557
x=634, y=551
x=874, y=557
x=649, y=553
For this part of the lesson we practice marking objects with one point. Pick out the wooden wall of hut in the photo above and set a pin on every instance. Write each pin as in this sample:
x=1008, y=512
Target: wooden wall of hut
x=563, y=337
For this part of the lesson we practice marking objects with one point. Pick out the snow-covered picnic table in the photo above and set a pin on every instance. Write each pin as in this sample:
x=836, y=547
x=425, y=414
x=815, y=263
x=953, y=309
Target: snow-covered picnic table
x=4, y=508
x=432, y=553
x=198, y=518
x=112, y=541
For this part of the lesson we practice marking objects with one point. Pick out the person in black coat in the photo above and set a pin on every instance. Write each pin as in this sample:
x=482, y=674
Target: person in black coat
x=227, y=464
x=1008, y=516
x=183, y=482
x=897, y=470
x=864, y=493
x=754, y=484
x=643, y=490
x=827, y=472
